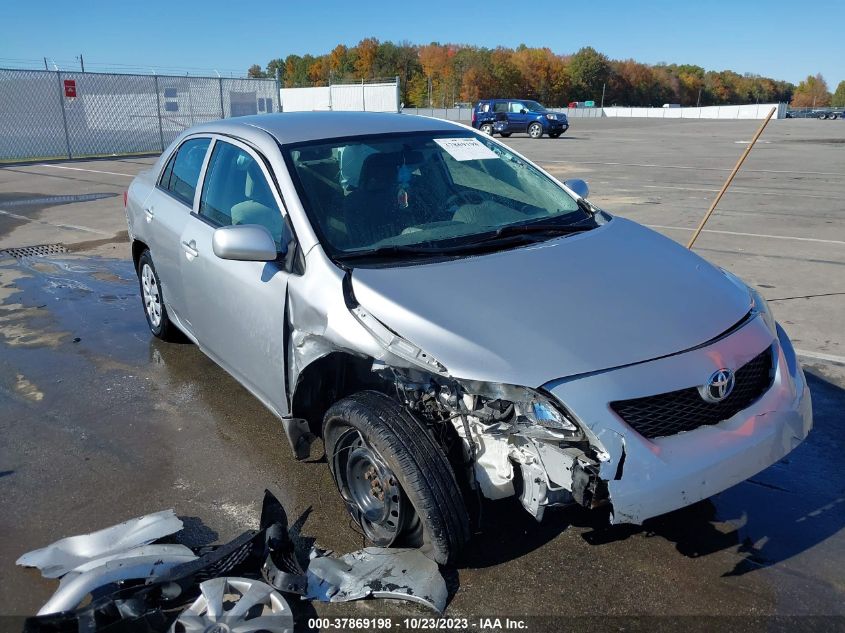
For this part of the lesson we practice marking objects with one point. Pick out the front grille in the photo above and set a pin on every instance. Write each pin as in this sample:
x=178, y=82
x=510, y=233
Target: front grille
x=685, y=409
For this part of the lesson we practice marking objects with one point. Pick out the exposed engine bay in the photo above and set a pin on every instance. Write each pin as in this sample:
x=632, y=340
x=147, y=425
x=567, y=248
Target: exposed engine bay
x=513, y=440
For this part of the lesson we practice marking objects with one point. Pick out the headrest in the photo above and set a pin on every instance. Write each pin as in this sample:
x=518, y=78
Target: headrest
x=379, y=171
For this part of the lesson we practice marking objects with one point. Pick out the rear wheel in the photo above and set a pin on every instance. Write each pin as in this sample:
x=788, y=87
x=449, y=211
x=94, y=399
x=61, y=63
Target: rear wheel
x=394, y=478
x=487, y=128
x=153, y=299
x=535, y=130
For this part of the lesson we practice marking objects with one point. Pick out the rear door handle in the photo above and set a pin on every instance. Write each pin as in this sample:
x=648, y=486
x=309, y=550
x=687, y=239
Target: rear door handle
x=148, y=213
x=191, y=248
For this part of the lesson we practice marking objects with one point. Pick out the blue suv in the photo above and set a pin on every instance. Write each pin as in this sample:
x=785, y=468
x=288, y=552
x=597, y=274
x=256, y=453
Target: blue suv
x=506, y=116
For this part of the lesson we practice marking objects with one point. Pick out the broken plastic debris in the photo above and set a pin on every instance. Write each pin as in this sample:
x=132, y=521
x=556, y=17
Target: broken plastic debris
x=405, y=574
x=57, y=559
x=71, y=592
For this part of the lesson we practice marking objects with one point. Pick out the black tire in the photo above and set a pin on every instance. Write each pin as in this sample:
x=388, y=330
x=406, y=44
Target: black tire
x=505, y=134
x=435, y=517
x=535, y=130
x=486, y=128
x=833, y=117
x=164, y=329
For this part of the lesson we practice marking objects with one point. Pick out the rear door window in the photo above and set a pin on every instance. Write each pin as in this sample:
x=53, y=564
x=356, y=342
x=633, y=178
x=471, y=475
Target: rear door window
x=235, y=191
x=182, y=172
x=500, y=106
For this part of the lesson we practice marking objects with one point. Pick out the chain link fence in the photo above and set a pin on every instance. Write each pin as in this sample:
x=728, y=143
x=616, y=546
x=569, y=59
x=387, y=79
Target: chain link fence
x=48, y=115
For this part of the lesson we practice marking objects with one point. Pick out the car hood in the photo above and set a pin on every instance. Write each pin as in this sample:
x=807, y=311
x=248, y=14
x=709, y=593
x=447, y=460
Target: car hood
x=616, y=295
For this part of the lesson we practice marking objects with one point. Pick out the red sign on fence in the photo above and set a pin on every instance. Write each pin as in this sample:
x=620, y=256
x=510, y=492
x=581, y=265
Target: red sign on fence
x=70, y=88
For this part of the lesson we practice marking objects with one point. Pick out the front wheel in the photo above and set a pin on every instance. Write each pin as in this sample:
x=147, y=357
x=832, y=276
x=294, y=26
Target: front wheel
x=486, y=128
x=394, y=478
x=535, y=130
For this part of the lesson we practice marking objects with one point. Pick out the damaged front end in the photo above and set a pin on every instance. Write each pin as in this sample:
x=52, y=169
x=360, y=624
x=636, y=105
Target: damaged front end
x=515, y=441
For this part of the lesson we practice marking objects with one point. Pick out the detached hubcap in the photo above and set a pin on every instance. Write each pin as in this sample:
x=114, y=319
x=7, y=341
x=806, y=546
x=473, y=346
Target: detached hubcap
x=152, y=295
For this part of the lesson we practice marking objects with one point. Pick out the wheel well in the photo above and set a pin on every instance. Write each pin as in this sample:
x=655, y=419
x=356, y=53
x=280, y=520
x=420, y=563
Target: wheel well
x=327, y=380
x=138, y=247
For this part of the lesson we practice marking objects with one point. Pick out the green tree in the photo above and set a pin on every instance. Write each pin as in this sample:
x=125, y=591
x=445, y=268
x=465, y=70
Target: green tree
x=255, y=72
x=838, y=100
x=589, y=70
x=274, y=64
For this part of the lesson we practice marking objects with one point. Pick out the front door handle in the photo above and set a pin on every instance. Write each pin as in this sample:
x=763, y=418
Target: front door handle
x=190, y=248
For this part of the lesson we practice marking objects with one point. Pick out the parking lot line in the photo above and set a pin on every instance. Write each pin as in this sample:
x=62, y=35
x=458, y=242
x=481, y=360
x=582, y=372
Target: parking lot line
x=691, y=167
x=95, y=171
x=750, y=192
x=821, y=356
x=737, y=233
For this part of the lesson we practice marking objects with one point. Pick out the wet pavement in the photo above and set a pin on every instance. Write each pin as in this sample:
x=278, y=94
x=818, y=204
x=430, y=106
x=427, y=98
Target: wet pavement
x=101, y=422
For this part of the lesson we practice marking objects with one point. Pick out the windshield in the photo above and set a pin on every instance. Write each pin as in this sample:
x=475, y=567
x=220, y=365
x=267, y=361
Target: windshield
x=423, y=190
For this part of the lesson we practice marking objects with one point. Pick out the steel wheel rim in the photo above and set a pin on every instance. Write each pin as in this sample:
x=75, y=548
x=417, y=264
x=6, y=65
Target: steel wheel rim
x=487, y=129
x=533, y=131
x=152, y=295
x=370, y=489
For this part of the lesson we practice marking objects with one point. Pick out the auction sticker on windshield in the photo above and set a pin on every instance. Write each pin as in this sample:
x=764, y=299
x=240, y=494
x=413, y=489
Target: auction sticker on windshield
x=466, y=148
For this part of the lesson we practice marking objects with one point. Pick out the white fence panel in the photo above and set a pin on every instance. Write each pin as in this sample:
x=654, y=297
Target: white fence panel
x=381, y=97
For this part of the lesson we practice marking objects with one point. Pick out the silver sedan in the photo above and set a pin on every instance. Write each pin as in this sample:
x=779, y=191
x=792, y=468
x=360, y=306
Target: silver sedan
x=452, y=320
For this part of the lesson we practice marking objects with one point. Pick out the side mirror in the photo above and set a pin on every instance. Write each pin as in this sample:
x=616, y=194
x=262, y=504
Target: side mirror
x=244, y=242
x=578, y=186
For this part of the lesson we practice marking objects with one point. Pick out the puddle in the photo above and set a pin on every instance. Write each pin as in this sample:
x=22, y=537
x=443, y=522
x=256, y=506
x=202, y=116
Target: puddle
x=88, y=302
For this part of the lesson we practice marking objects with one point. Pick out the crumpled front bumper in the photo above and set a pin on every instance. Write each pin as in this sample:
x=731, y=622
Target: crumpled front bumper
x=646, y=477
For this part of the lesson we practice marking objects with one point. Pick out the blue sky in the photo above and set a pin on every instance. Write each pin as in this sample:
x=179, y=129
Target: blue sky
x=784, y=40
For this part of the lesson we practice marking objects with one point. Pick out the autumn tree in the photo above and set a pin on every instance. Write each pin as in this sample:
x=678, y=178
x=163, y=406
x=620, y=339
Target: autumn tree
x=366, y=57
x=339, y=63
x=468, y=73
x=811, y=93
x=838, y=99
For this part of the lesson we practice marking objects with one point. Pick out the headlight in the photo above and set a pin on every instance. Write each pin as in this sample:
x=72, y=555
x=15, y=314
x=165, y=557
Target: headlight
x=521, y=406
x=551, y=115
x=760, y=306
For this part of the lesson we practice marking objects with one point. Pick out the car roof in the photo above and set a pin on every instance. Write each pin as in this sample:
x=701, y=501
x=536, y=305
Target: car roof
x=297, y=127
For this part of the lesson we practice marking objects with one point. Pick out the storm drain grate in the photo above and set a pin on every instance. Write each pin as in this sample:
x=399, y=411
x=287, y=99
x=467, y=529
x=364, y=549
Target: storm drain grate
x=41, y=250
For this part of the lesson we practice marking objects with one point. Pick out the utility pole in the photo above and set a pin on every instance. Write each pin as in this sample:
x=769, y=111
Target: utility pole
x=698, y=101
x=81, y=62
x=603, y=86
x=45, y=64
